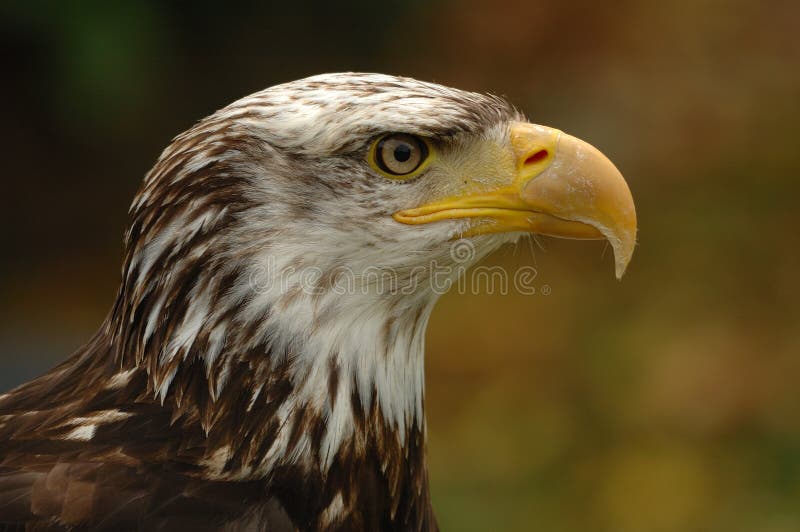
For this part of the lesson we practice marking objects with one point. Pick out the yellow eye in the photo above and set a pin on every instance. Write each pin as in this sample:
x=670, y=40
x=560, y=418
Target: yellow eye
x=399, y=155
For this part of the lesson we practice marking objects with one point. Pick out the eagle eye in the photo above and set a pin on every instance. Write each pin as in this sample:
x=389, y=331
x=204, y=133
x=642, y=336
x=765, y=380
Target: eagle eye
x=399, y=155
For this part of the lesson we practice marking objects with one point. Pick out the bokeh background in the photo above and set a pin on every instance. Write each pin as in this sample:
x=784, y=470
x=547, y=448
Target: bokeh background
x=666, y=402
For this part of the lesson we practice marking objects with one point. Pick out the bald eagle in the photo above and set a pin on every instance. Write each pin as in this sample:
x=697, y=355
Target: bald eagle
x=229, y=388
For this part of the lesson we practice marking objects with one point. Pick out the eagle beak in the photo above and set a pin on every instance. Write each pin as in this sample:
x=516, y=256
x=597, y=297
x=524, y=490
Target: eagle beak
x=559, y=186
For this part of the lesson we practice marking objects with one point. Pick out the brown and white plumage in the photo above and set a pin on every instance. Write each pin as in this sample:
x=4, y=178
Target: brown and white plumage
x=229, y=389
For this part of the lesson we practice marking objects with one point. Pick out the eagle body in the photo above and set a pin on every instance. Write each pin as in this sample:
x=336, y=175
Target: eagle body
x=254, y=372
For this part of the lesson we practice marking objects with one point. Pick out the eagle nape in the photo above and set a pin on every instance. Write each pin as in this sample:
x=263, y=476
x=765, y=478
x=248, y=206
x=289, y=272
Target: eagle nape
x=251, y=373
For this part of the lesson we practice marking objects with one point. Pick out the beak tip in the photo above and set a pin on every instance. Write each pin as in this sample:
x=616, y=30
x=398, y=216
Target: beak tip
x=620, y=270
x=623, y=252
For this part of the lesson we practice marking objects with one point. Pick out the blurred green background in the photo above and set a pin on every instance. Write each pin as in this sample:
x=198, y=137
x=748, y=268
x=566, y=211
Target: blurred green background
x=666, y=402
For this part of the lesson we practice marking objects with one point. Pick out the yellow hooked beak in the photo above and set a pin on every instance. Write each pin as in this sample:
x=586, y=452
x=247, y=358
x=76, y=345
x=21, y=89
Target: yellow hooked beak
x=560, y=186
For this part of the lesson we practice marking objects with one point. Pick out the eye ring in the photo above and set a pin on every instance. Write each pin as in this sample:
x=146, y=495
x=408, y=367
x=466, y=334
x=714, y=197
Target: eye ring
x=399, y=155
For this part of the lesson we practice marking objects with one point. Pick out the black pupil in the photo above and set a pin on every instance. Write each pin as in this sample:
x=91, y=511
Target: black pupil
x=402, y=153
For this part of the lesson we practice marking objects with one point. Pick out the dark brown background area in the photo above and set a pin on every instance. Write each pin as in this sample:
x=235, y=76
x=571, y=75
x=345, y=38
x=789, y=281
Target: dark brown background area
x=666, y=402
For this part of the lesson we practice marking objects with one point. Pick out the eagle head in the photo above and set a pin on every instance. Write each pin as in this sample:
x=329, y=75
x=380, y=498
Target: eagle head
x=304, y=226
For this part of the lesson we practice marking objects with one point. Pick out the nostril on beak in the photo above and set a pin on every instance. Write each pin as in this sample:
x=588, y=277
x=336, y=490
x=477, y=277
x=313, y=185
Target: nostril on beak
x=536, y=157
